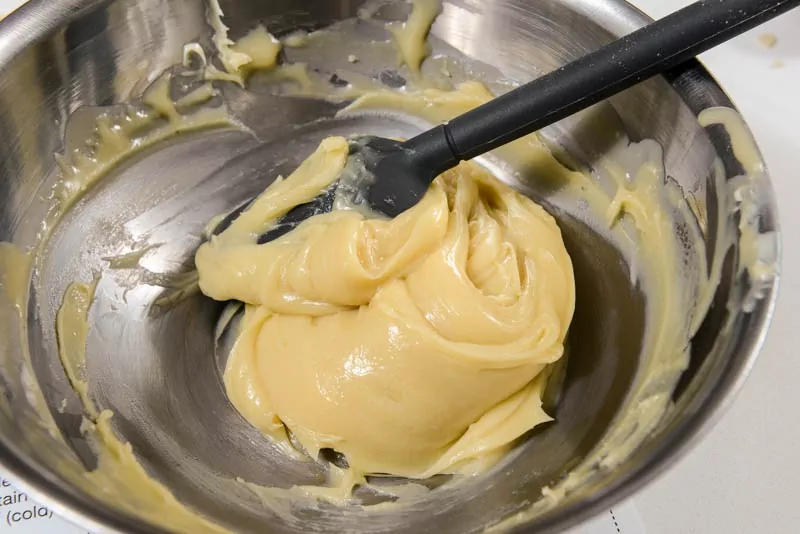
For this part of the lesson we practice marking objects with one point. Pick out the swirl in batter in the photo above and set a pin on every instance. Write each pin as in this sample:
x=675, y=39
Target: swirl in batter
x=413, y=346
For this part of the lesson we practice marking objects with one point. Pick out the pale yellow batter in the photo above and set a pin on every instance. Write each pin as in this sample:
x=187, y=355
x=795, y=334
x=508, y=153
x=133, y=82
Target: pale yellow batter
x=413, y=346
x=410, y=36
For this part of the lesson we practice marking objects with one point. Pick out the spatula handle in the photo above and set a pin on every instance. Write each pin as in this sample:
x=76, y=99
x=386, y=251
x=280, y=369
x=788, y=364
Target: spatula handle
x=615, y=67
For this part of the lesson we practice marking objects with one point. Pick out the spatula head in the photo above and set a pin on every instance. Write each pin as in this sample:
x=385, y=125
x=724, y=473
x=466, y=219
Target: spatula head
x=396, y=182
x=380, y=173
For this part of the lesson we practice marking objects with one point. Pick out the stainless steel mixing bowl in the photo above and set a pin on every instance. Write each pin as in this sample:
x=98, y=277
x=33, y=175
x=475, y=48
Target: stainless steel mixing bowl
x=159, y=370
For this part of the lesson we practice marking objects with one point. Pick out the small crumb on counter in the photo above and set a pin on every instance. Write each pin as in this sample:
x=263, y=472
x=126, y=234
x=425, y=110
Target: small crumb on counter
x=777, y=64
x=769, y=40
x=352, y=58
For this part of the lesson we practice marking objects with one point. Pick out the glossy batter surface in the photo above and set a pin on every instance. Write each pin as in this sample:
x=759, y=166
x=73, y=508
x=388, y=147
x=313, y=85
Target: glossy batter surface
x=413, y=346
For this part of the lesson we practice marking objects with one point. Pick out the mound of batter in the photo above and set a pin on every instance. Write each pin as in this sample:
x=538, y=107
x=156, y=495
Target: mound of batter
x=413, y=346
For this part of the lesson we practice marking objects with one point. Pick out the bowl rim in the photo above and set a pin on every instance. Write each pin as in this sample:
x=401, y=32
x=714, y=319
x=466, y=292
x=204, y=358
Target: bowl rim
x=36, y=20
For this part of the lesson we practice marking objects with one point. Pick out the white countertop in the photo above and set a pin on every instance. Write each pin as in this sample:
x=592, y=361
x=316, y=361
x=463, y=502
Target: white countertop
x=742, y=478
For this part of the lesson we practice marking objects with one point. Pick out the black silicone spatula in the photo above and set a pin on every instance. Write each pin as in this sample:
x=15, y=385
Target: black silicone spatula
x=403, y=171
